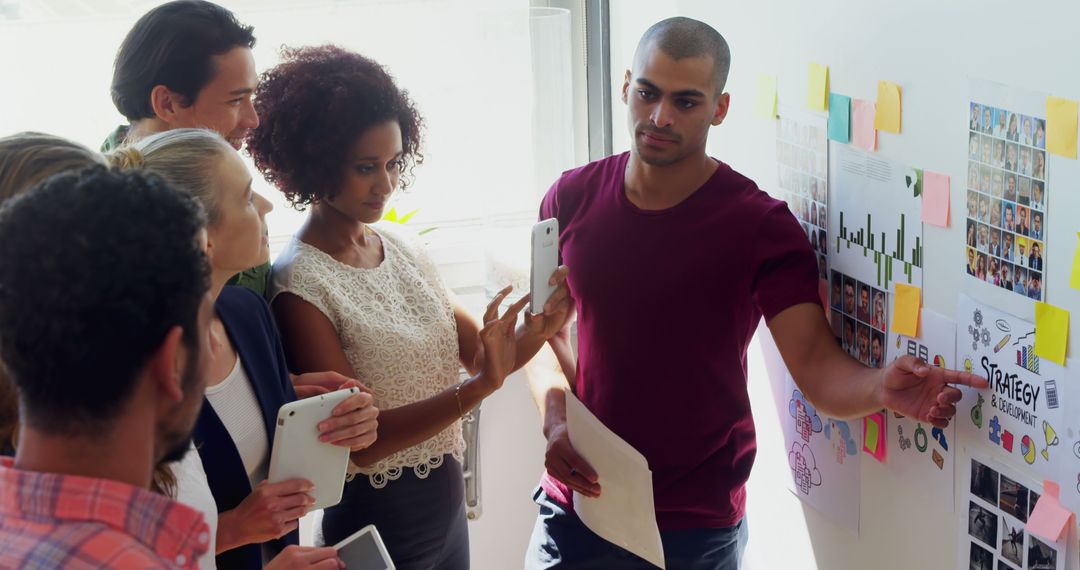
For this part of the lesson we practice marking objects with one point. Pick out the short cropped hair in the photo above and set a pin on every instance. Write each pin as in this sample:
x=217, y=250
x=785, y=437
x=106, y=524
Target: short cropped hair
x=681, y=38
x=312, y=107
x=172, y=45
x=98, y=267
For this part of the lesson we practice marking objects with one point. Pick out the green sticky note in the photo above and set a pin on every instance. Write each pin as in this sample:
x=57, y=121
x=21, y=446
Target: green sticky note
x=1051, y=332
x=817, y=87
x=765, y=105
x=839, y=118
x=1074, y=278
x=872, y=436
x=1061, y=126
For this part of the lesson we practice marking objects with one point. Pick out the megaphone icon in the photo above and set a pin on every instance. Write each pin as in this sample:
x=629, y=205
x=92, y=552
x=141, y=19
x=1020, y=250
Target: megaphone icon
x=1051, y=439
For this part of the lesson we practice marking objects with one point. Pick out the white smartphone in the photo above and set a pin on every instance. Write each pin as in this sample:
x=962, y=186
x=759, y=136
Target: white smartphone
x=545, y=260
x=298, y=453
x=364, y=550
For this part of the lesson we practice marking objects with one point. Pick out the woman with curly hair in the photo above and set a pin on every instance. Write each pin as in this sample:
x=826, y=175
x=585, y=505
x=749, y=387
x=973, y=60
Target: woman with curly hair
x=338, y=136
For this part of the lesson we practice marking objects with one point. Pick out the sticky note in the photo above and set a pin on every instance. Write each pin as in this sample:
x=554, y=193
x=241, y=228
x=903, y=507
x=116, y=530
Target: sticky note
x=935, y=199
x=863, y=133
x=1074, y=278
x=874, y=435
x=1061, y=126
x=1051, y=332
x=839, y=118
x=817, y=87
x=888, y=107
x=1049, y=519
x=906, y=301
x=765, y=106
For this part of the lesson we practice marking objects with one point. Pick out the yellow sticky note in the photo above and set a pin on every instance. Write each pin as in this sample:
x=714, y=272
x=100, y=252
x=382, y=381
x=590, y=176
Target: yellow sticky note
x=817, y=87
x=888, y=107
x=765, y=106
x=1074, y=278
x=906, y=308
x=1051, y=332
x=1061, y=126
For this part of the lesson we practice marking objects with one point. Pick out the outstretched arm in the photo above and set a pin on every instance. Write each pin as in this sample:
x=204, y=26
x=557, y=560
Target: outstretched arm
x=841, y=387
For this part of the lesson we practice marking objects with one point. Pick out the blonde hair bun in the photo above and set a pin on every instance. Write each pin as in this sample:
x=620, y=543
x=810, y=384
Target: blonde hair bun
x=127, y=157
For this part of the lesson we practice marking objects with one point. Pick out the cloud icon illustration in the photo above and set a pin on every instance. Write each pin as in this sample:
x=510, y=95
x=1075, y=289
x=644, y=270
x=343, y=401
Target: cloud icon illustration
x=804, y=467
x=842, y=431
x=807, y=420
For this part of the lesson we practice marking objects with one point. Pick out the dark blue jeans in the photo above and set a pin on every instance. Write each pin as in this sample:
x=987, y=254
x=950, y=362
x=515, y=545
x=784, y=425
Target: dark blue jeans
x=560, y=540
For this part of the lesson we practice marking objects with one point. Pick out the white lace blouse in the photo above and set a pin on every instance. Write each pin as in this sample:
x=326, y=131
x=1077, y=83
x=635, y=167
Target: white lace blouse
x=396, y=327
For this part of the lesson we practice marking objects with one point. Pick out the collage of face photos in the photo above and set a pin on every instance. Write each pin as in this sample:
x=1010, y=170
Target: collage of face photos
x=802, y=158
x=858, y=318
x=1006, y=199
x=997, y=510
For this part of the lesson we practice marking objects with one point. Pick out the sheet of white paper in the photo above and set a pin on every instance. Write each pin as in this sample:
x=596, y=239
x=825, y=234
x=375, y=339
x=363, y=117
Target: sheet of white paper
x=624, y=513
x=922, y=454
x=823, y=453
x=875, y=218
x=1020, y=414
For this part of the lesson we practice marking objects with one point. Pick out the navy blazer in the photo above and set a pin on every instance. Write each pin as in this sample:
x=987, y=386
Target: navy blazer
x=251, y=329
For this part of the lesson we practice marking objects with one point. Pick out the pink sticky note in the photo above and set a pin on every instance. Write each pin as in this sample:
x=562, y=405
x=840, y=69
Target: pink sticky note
x=1049, y=519
x=874, y=436
x=863, y=133
x=935, y=199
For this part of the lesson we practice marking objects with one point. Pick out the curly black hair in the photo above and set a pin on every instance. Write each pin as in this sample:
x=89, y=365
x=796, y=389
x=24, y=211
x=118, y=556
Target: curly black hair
x=312, y=107
x=98, y=266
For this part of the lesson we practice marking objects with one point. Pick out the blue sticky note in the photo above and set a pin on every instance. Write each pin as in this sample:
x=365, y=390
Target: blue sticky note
x=840, y=118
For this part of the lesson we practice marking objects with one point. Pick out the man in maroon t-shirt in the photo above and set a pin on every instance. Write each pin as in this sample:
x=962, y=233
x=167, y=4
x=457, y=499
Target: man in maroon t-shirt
x=674, y=259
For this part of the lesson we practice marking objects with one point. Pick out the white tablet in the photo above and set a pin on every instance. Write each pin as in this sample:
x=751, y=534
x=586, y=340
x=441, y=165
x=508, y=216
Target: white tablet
x=364, y=550
x=298, y=453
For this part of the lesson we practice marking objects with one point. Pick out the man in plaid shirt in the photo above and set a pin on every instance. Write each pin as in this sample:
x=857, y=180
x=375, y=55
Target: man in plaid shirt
x=103, y=321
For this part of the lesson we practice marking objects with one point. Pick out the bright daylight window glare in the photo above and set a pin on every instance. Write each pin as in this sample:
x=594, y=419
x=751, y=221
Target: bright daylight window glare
x=492, y=79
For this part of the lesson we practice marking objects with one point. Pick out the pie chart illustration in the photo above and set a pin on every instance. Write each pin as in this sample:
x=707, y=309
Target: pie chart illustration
x=1027, y=449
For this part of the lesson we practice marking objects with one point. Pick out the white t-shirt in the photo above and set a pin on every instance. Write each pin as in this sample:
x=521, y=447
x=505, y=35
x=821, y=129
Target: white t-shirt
x=193, y=490
x=235, y=403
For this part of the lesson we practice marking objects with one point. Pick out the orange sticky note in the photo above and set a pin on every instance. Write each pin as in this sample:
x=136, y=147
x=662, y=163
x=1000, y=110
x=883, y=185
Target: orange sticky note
x=863, y=133
x=817, y=87
x=1051, y=332
x=888, y=107
x=1061, y=126
x=935, y=199
x=1049, y=519
x=906, y=309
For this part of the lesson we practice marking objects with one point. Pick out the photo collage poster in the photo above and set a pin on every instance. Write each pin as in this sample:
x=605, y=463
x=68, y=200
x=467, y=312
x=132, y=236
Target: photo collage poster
x=1020, y=415
x=859, y=317
x=922, y=454
x=802, y=157
x=993, y=515
x=1007, y=191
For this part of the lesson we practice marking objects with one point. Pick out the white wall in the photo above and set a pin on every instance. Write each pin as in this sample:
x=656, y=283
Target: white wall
x=931, y=48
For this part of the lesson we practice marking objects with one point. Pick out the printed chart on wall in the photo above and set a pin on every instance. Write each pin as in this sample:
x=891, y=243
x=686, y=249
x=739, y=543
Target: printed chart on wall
x=858, y=316
x=1020, y=414
x=875, y=224
x=802, y=158
x=823, y=455
x=996, y=506
x=921, y=453
x=1007, y=192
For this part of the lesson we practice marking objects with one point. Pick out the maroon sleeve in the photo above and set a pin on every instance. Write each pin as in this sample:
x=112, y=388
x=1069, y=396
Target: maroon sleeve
x=786, y=267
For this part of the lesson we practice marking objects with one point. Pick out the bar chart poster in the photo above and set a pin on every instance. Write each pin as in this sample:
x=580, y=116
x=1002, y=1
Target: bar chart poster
x=875, y=224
